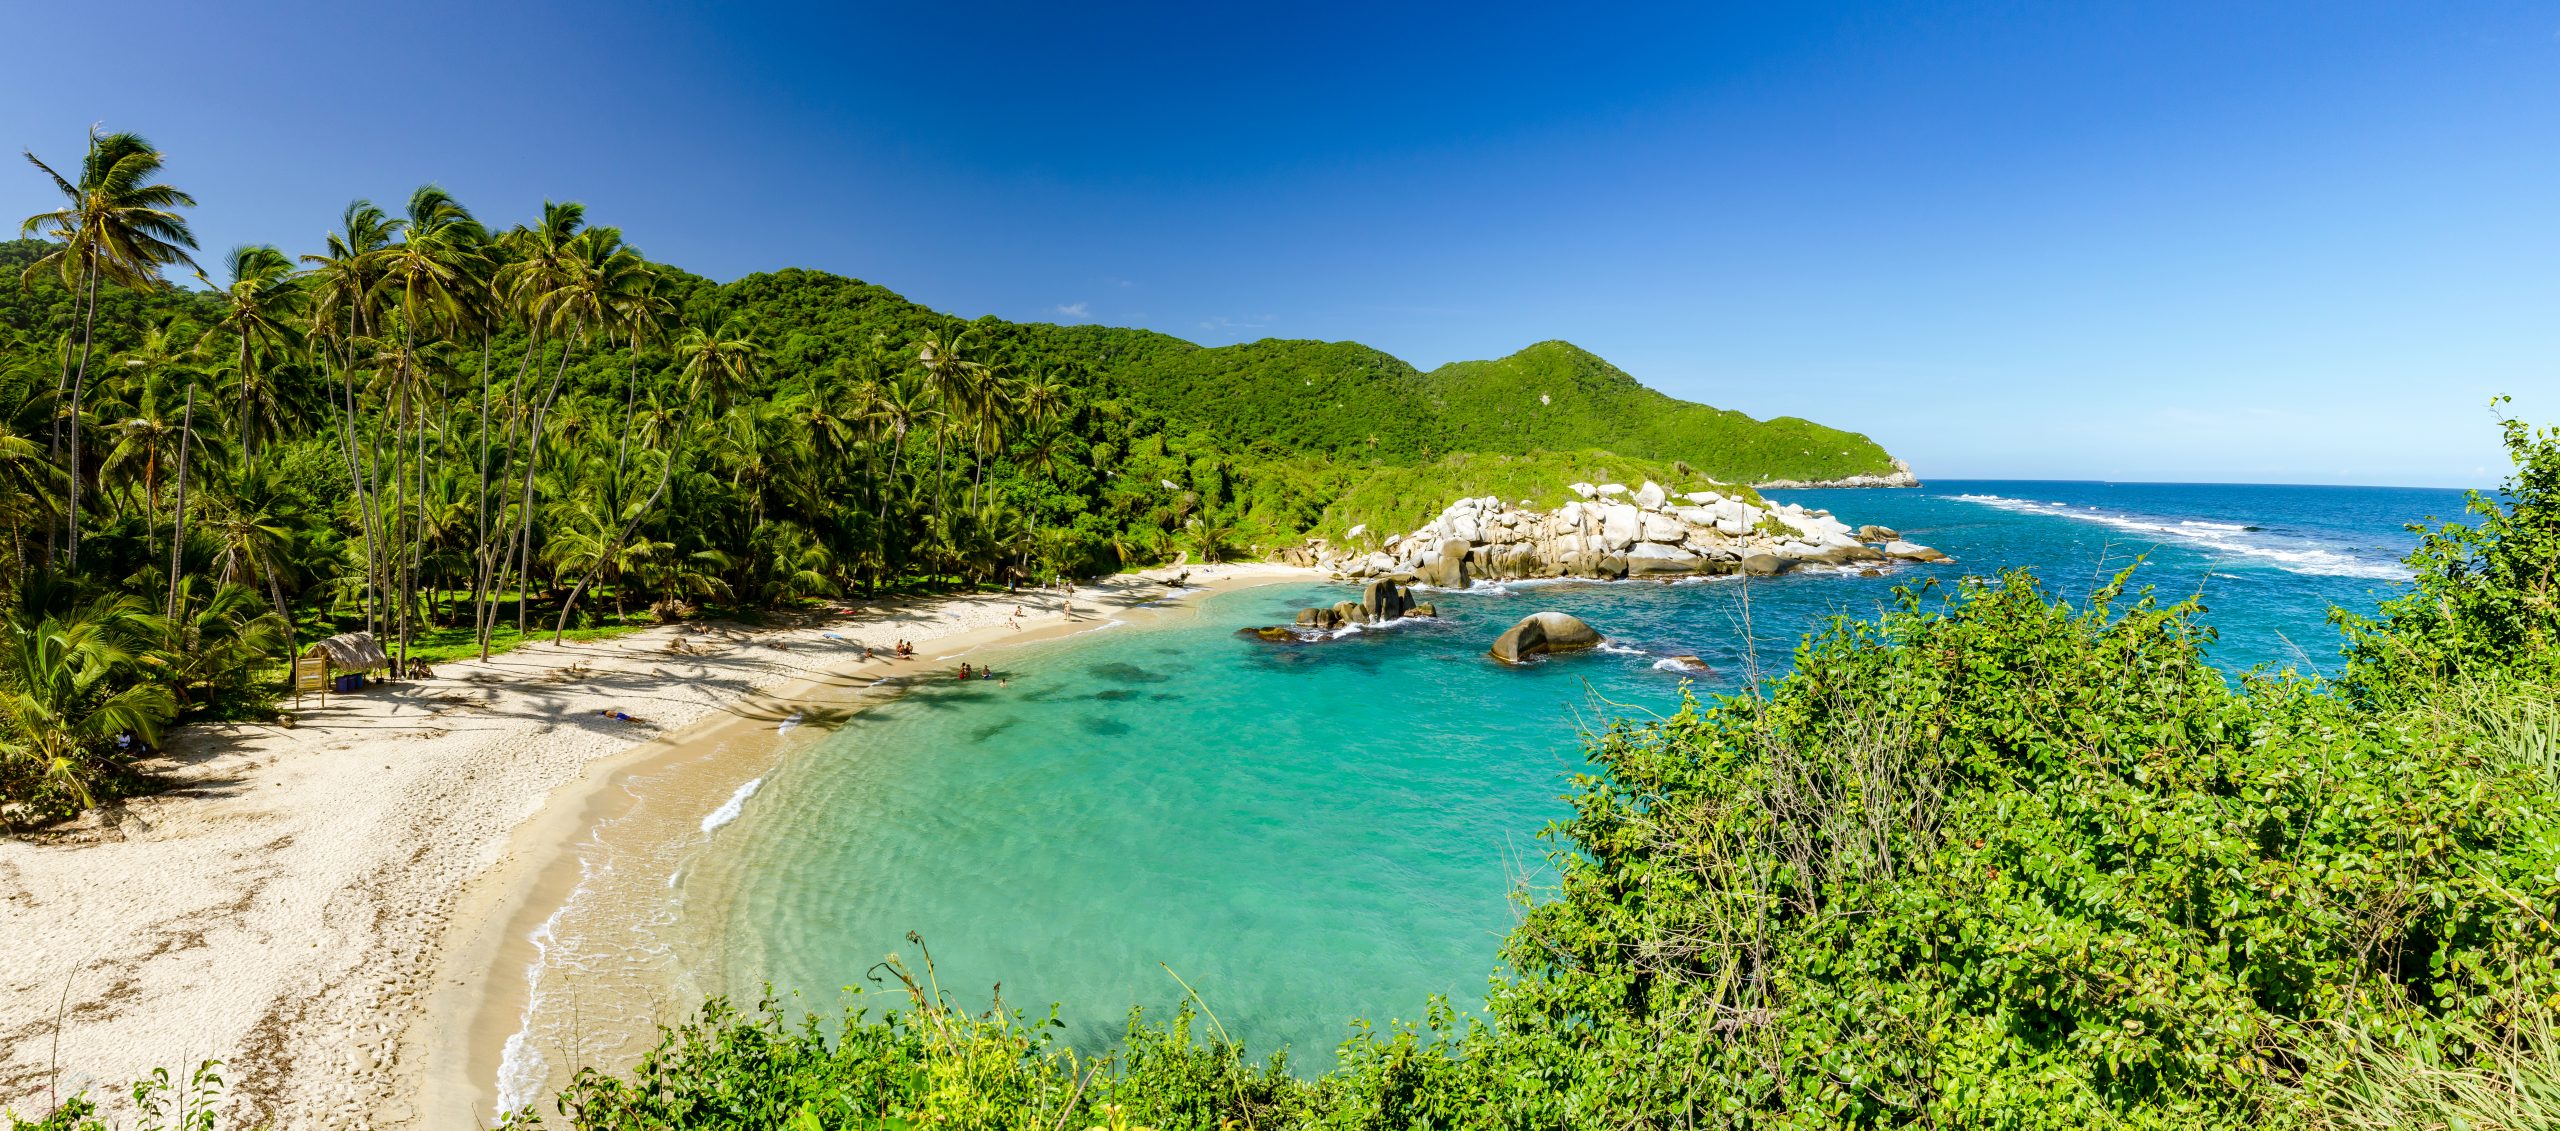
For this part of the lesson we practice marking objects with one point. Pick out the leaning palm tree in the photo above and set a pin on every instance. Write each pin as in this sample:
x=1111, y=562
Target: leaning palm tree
x=116, y=225
x=345, y=304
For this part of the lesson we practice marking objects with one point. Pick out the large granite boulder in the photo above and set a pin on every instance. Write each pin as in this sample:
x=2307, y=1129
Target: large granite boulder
x=1349, y=612
x=1650, y=496
x=1540, y=633
x=1766, y=565
x=1648, y=559
x=1873, y=533
x=1448, y=567
x=1621, y=525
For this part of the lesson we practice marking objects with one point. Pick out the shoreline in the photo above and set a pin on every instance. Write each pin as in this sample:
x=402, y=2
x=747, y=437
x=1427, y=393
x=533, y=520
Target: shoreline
x=457, y=1046
x=284, y=905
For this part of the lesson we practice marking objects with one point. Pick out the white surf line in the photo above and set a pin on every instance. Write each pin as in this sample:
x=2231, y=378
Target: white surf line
x=522, y=1069
x=730, y=809
x=2228, y=538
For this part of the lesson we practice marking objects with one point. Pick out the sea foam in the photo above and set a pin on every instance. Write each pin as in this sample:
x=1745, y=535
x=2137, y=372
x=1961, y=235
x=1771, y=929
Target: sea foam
x=2225, y=538
x=736, y=804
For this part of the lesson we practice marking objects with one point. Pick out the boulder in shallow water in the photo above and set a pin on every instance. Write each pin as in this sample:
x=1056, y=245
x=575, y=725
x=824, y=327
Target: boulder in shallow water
x=1873, y=533
x=1766, y=565
x=1274, y=633
x=1383, y=599
x=1350, y=612
x=1423, y=609
x=1540, y=633
x=1912, y=552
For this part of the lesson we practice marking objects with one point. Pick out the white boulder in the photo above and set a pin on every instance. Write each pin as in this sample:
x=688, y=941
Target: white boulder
x=1650, y=496
x=1620, y=525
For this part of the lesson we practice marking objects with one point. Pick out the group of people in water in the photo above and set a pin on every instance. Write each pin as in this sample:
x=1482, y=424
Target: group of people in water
x=983, y=671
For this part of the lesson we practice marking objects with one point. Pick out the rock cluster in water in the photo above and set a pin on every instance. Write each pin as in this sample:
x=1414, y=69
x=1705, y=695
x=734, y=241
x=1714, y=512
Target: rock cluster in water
x=1384, y=599
x=1614, y=532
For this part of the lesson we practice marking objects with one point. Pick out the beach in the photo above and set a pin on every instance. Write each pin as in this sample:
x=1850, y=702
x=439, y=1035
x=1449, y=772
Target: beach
x=300, y=897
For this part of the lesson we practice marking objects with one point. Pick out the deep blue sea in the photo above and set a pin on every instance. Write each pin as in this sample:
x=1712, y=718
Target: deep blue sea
x=1309, y=834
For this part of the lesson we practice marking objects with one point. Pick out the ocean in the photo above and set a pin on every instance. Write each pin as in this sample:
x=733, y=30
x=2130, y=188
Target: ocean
x=1307, y=835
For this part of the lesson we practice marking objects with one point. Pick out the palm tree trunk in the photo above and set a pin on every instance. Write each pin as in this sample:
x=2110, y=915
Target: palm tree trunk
x=79, y=382
x=533, y=459
x=178, y=536
x=493, y=560
x=630, y=406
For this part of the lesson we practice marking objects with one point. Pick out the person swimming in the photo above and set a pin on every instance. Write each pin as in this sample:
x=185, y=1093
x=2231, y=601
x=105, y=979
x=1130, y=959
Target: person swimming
x=964, y=669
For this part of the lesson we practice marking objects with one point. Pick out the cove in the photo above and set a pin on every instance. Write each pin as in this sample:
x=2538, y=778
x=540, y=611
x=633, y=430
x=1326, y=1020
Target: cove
x=1309, y=834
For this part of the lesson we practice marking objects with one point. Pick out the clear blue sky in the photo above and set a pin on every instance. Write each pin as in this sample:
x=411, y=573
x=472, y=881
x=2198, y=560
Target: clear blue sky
x=2250, y=242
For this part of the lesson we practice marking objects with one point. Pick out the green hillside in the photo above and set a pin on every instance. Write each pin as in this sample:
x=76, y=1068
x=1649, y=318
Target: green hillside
x=1334, y=399
x=1558, y=396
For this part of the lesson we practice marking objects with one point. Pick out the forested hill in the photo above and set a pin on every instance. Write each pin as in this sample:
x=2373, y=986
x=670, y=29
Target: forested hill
x=1339, y=398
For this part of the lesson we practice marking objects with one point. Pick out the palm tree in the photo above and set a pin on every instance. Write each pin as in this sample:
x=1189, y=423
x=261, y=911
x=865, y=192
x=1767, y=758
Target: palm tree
x=643, y=315
x=345, y=304
x=600, y=273
x=954, y=374
x=67, y=691
x=719, y=363
x=538, y=263
x=434, y=272
x=260, y=310
x=30, y=491
x=116, y=225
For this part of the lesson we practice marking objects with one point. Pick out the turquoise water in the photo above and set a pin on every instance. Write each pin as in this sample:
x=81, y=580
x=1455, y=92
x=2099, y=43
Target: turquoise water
x=1309, y=834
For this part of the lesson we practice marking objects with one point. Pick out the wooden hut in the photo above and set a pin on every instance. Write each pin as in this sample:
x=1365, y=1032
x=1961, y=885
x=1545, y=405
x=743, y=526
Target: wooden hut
x=351, y=652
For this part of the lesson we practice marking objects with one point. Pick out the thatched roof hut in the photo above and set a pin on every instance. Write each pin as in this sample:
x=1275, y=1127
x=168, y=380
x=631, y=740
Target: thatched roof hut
x=351, y=652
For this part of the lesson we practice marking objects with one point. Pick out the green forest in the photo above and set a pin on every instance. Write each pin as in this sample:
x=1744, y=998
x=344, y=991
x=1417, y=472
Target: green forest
x=457, y=437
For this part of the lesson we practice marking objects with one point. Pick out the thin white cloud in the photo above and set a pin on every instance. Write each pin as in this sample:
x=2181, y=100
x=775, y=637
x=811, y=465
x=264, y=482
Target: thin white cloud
x=1073, y=310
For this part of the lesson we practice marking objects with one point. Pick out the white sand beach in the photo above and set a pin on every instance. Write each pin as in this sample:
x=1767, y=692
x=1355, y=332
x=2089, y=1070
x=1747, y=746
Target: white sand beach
x=283, y=908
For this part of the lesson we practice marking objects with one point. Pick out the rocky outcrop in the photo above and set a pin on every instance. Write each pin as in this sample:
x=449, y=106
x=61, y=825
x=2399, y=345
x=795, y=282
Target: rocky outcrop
x=1610, y=531
x=1900, y=476
x=1381, y=600
x=1540, y=633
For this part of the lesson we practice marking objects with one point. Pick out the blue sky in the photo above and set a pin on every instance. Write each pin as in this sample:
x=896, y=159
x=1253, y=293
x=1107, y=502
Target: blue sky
x=2260, y=242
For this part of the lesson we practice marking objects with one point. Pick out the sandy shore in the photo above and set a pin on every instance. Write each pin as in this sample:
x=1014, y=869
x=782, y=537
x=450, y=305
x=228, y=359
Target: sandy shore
x=293, y=905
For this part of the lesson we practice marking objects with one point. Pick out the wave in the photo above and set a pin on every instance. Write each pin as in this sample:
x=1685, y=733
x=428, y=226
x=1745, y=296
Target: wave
x=736, y=804
x=2223, y=538
x=1620, y=649
x=788, y=723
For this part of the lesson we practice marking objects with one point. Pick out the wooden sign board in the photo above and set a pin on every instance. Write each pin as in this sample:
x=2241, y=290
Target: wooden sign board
x=310, y=673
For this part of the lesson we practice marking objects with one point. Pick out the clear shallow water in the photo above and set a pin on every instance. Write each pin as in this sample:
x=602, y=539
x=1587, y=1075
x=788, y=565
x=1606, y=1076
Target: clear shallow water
x=1308, y=834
